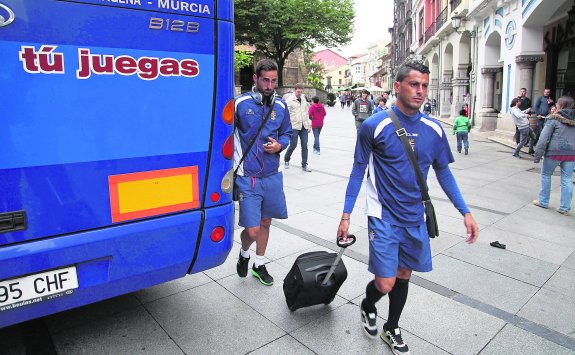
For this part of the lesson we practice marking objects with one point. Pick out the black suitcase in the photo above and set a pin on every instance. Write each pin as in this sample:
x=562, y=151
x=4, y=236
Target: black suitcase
x=315, y=278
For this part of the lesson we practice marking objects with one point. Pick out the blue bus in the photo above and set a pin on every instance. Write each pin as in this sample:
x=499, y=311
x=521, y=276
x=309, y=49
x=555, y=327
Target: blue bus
x=116, y=135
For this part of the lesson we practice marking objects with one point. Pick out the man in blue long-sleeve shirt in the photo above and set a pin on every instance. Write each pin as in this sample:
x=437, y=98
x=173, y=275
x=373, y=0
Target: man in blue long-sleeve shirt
x=399, y=242
x=260, y=184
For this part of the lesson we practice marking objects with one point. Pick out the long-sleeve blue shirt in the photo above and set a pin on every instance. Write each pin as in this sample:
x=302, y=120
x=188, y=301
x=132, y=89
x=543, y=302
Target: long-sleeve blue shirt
x=248, y=119
x=392, y=190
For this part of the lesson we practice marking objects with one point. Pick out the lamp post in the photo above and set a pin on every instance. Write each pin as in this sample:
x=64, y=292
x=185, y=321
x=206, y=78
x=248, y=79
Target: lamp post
x=456, y=23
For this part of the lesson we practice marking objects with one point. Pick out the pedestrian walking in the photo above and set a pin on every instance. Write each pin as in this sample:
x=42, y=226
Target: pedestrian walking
x=349, y=99
x=399, y=241
x=316, y=114
x=557, y=145
x=427, y=107
x=380, y=105
x=542, y=108
x=261, y=118
x=461, y=128
x=361, y=109
x=389, y=100
x=524, y=105
x=301, y=125
x=342, y=100
x=521, y=121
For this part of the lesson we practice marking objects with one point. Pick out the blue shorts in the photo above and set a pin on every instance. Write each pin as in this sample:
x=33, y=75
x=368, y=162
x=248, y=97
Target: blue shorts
x=391, y=247
x=261, y=198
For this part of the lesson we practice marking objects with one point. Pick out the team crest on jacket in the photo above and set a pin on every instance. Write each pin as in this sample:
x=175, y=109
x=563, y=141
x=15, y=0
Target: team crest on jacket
x=412, y=140
x=249, y=111
x=371, y=234
x=273, y=115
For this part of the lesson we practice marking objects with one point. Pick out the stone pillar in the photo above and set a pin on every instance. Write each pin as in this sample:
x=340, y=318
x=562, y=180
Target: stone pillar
x=459, y=83
x=526, y=64
x=434, y=90
x=445, y=94
x=488, y=114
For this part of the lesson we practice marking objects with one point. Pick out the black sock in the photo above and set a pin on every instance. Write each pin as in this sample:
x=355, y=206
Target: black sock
x=397, y=298
x=372, y=295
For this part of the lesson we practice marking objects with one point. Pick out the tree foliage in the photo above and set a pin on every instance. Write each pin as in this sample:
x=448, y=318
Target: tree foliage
x=278, y=27
x=242, y=59
x=315, y=70
x=315, y=75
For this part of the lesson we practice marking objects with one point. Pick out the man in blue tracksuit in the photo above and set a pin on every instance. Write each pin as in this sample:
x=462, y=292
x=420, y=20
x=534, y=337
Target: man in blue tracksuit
x=399, y=242
x=259, y=182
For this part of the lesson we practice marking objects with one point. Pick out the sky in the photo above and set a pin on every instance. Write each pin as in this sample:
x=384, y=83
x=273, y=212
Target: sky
x=372, y=20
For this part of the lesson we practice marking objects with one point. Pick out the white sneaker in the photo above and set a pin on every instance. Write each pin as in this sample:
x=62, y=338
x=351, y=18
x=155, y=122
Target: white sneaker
x=368, y=323
x=394, y=340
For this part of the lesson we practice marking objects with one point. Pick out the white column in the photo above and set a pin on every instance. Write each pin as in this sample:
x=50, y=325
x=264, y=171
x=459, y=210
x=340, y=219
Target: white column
x=488, y=114
x=445, y=94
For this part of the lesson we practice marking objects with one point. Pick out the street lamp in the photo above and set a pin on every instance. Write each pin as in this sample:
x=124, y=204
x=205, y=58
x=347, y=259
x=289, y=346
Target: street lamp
x=456, y=23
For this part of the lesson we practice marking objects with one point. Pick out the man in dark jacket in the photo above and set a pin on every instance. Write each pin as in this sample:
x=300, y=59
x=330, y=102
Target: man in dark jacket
x=541, y=107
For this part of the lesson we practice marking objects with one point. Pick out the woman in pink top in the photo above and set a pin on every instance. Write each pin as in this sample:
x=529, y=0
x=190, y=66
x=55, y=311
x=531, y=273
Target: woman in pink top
x=316, y=114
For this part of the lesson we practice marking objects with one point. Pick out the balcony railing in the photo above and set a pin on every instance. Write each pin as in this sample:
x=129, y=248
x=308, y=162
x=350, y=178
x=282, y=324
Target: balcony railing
x=454, y=4
x=429, y=32
x=440, y=20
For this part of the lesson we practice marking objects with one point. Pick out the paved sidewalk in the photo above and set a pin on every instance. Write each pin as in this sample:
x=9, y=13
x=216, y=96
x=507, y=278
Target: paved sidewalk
x=477, y=300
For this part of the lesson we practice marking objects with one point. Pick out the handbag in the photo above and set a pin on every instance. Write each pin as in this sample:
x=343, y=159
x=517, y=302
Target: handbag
x=430, y=218
x=235, y=191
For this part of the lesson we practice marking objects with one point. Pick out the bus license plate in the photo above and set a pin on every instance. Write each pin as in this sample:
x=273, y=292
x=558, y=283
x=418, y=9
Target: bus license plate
x=35, y=288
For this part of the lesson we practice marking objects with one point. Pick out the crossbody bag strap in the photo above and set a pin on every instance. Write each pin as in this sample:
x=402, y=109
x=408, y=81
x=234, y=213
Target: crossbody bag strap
x=402, y=134
x=255, y=138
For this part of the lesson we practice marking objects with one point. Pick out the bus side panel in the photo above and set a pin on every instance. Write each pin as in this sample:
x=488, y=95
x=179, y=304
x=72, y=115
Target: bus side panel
x=63, y=136
x=226, y=10
x=77, y=194
x=211, y=254
x=221, y=130
x=111, y=262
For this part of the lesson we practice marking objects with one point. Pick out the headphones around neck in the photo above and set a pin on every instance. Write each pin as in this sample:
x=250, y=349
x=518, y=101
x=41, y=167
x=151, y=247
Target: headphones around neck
x=260, y=98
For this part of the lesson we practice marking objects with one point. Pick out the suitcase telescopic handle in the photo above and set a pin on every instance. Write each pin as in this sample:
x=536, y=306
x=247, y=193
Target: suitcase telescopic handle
x=350, y=240
x=340, y=243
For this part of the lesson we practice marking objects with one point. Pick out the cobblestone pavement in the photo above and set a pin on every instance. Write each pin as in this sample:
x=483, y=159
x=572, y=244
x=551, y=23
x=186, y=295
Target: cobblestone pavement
x=477, y=300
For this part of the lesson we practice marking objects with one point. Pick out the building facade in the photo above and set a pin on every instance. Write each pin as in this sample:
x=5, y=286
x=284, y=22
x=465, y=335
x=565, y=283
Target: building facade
x=376, y=52
x=336, y=78
x=401, y=32
x=490, y=49
x=358, y=69
x=335, y=66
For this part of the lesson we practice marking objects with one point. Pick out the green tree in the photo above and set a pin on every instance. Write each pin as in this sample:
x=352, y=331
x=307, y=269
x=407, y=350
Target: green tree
x=278, y=27
x=315, y=75
x=315, y=70
x=242, y=59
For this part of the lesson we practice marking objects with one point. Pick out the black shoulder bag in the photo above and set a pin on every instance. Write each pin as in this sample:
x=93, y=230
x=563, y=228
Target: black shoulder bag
x=430, y=219
x=235, y=195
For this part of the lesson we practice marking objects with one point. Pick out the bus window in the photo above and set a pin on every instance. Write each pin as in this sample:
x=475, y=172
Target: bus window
x=114, y=171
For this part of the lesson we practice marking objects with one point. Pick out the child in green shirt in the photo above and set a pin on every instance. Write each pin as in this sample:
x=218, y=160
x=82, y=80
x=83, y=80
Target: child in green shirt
x=461, y=128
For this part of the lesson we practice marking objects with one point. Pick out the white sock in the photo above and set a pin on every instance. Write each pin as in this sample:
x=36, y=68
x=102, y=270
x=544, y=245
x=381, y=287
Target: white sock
x=245, y=253
x=259, y=260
